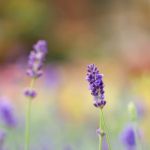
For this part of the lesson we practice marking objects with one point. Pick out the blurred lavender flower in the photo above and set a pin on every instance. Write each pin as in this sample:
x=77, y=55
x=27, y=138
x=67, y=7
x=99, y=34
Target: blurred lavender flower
x=35, y=64
x=141, y=109
x=36, y=59
x=128, y=138
x=52, y=77
x=6, y=113
x=96, y=85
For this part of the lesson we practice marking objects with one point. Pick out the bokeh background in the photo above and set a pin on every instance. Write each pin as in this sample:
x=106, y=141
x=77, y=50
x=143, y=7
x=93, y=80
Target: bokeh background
x=113, y=34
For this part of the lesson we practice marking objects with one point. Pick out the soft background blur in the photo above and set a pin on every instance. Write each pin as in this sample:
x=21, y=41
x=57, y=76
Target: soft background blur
x=113, y=34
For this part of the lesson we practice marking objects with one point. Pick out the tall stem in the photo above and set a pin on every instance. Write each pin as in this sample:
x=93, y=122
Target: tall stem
x=106, y=128
x=101, y=130
x=28, y=115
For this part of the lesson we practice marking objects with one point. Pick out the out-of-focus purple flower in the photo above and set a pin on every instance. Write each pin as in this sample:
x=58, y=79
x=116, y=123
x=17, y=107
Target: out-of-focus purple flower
x=30, y=93
x=52, y=76
x=6, y=113
x=36, y=59
x=96, y=85
x=141, y=109
x=128, y=138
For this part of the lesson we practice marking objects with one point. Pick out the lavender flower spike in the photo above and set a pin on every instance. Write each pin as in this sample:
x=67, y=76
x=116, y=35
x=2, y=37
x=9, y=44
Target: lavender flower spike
x=96, y=85
x=36, y=59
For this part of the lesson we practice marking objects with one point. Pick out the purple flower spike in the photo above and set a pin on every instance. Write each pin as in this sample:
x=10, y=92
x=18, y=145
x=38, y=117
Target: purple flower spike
x=128, y=138
x=36, y=59
x=30, y=93
x=96, y=85
x=6, y=113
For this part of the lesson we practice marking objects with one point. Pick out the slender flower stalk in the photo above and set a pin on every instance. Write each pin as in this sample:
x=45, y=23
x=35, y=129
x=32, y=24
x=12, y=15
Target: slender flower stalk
x=101, y=131
x=28, y=114
x=96, y=86
x=106, y=128
x=35, y=64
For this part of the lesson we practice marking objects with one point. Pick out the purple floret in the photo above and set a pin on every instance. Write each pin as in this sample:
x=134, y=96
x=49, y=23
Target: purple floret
x=41, y=46
x=96, y=85
x=36, y=59
x=30, y=93
x=100, y=132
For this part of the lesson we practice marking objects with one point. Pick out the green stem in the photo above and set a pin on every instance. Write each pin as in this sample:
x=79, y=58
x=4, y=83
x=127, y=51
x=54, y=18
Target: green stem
x=27, y=130
x=28, y=115
x=100, y=127
x=107, y=131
